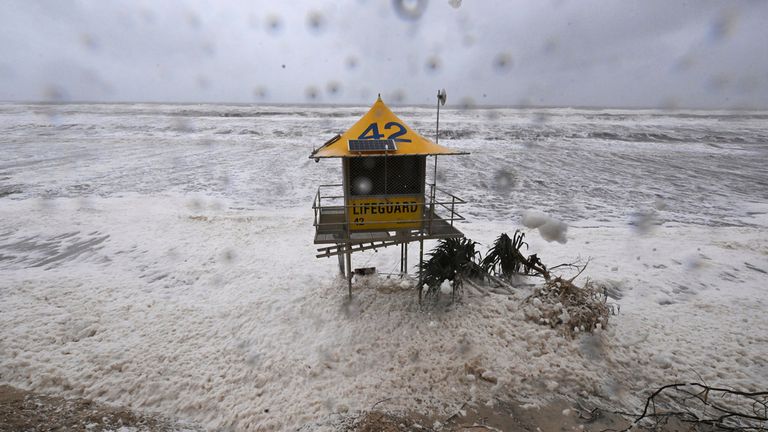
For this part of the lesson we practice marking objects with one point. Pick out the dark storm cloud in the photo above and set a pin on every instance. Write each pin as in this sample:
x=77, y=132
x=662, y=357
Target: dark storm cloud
x=572, y=53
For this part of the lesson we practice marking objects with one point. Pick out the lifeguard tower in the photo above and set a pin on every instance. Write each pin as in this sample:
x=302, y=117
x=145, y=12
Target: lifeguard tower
x=383, y=199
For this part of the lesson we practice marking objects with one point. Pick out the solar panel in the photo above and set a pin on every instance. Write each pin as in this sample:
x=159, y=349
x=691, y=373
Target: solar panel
x=372, y=145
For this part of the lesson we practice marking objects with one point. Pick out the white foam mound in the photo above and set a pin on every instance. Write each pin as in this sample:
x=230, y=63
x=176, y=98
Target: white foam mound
x=549, y=228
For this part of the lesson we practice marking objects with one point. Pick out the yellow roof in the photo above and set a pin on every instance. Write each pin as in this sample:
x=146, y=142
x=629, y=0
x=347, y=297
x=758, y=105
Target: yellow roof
x=381, y=123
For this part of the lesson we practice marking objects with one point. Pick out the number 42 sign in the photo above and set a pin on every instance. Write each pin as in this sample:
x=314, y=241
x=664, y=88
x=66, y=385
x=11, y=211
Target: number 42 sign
x=372, y=132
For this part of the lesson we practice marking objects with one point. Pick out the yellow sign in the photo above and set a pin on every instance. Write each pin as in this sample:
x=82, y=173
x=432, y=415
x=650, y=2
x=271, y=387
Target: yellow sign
x=385, y=213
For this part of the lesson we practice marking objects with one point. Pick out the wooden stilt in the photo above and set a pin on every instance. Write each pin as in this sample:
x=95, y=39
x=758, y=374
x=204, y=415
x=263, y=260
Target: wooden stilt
x=421, y=266
x=405, y=258
x=341, y=262
x=349, y=271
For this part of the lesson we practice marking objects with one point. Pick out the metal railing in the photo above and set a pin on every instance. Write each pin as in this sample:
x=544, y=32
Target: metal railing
x=438, y=206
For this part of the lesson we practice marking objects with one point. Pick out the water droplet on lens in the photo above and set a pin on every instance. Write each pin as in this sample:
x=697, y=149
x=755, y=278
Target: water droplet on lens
x=363, y=186
x=55, y=93
x=351, y=62
x=433, y=64
x=466, y=103
x=334, y=88
x=228, y=256
x=193, y=20
x=89, y=42
x=315, y=21
x=260, y=93
x=312, y=93
x=455, y=3
x=503, y=62
x=398, y=96
x=505, y=180
x=274, y=24
x=409, y=10
x=723, y=25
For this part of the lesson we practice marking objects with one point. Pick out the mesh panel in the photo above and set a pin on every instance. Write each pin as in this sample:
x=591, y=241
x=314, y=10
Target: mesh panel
x=397, y=175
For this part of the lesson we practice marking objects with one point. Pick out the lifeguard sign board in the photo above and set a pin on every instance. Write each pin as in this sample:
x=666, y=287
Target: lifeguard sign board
x=388, y=213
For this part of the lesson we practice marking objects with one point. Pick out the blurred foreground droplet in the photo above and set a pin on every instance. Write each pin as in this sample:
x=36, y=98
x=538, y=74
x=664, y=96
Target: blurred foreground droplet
x=333, y=88
x=228, y=256
x=409, y=10
x=351, y=62
x=181, y=124
x=503, y=62
x=260, y=93
x=455, y=3
x=55, y=93
x=312, y=93
x=643, y=221
x=505, y=180
x=315, y=21
x=723, y=25
x=274, y=24
x=397, y=96
x=433, y=64
x=466, y=103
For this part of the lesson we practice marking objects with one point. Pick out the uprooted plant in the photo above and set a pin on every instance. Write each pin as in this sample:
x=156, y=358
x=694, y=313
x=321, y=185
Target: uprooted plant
x=557, y=303
x=560, y=303
x=454, y=260
x=505, y=259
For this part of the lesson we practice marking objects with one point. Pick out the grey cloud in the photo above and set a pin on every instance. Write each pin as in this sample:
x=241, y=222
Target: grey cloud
x=565, y=53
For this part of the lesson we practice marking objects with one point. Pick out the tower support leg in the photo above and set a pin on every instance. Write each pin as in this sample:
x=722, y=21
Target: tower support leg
x=341, y=260
x=421, y=266
x=349, y=270
x=405, y=258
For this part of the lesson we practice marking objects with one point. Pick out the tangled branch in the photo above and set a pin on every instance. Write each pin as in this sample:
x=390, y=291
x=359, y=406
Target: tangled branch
x=721, y=408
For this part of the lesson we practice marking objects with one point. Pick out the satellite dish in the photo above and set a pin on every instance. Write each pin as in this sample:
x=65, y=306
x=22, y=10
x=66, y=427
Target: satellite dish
x=441, y=96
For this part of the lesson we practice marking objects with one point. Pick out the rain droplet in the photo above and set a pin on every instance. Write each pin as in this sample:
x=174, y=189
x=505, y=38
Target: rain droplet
x=89, y=41
x=505, y=180
x=643, y=221
x=551, y=45
x=228, y=256
x=466, y=103
x=260, y=93
x=503, y=62
x=333, y=88
x=433, y=64
x=455, y=3
x=315, y=21
x=397, y=96
x=362, y=186
x=351, y=62
x=181, y=124
x=55, y=93
x=723, y=25
x=409, y=10
x=193, y=20
x=312, y=93
x=274, y=24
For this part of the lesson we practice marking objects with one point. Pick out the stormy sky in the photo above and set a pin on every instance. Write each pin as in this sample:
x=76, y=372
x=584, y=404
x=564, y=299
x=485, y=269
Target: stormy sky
x=628, y=53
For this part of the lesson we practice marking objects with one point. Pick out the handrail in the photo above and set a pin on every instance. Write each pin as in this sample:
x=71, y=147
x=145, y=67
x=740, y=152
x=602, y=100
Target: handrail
x=448, y=202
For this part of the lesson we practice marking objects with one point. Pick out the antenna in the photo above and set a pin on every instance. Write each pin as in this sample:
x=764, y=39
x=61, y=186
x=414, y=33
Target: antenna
x=441, y=96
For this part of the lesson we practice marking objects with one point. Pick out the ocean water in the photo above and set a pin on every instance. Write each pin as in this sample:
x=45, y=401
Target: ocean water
x=161, y=258
x=598, y=165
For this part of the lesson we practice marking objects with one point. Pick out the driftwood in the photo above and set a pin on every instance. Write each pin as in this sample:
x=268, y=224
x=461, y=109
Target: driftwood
x=699, y=404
